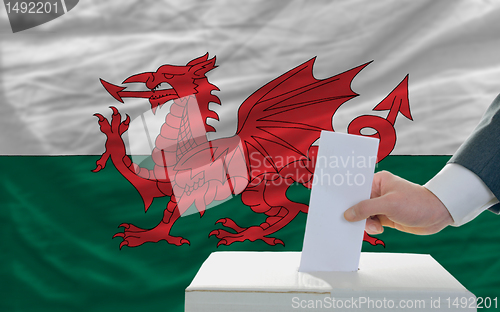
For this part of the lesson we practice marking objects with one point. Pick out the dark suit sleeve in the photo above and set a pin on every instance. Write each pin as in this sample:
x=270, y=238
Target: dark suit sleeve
x=480, y=153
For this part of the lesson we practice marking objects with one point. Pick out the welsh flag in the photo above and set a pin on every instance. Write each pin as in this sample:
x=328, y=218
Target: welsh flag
x=91, y=200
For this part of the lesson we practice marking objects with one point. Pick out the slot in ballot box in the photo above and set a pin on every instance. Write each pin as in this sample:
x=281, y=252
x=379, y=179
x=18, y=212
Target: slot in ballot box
x=270, y=281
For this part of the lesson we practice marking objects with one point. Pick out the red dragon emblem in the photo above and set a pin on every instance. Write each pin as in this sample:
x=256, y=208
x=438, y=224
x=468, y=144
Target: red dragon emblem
x=271, y=149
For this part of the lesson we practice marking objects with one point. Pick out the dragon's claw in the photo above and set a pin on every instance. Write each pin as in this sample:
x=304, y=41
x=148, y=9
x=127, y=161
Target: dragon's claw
x=278, y=241
x=230, y=224
x=119, y=234
x=373, y=240
x=124, y=125
x=127, y=120
x=214, y=232
x=103, y=123
x=222, y=242
x=101, y=117
x=252, y=233
x=97, y=169
x=101, y=162
x=134, y=236
x=115, y=110
x=124, y=225
x=113, y=131
x=124, y=243
x=220, y=233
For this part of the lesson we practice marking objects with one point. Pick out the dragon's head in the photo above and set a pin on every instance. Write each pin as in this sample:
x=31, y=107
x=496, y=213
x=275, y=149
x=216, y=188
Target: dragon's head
x=168, y=82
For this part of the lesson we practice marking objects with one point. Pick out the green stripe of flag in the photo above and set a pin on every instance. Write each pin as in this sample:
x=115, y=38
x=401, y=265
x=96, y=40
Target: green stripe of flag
x=57, y=219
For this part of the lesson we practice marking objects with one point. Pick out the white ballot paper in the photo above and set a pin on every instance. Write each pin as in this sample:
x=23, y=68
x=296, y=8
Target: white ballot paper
x=343, y=176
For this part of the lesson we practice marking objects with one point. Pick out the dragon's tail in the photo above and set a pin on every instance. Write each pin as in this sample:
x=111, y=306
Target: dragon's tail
x=396, y=102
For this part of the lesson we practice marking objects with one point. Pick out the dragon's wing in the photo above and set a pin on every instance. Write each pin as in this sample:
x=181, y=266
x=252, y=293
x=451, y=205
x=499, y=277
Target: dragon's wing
x=279, y=122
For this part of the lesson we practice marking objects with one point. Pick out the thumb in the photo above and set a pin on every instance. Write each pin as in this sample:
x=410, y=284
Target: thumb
x=366, y=209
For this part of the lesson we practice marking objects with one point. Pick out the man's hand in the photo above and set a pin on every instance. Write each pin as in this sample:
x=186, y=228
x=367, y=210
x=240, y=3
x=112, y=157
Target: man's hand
x=400, y=204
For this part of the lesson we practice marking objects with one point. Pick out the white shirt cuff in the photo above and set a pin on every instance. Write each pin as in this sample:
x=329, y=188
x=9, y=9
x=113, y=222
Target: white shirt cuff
x=462, y=192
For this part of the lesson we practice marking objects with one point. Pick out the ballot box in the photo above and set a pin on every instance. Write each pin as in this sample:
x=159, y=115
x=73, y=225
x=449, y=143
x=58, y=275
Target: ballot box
x=270, y=281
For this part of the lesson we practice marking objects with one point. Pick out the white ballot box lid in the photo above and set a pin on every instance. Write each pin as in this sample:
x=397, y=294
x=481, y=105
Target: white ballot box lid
x=270, y=281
